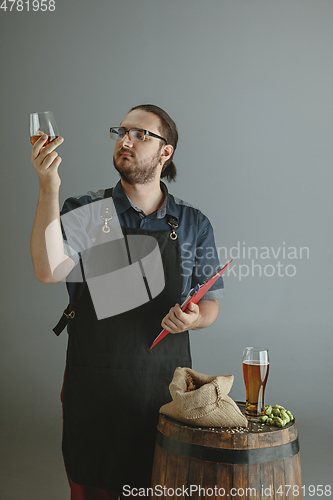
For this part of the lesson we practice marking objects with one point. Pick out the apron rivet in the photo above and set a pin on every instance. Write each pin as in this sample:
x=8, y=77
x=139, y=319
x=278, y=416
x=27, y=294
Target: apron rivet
x=173, y=235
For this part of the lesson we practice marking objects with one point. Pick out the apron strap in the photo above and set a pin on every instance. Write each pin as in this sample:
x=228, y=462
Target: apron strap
x=68, y=313
x=108, y=193
x=173, y=223
x=63, y=321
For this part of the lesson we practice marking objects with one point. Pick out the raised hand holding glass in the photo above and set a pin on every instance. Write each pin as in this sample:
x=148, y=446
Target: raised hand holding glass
x=43, y=123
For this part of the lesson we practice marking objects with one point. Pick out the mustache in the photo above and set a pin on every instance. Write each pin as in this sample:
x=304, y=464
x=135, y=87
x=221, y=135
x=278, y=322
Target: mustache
x=124, y=150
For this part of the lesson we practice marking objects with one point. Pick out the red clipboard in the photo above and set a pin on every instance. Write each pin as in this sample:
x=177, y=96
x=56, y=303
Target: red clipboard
x=194, y=296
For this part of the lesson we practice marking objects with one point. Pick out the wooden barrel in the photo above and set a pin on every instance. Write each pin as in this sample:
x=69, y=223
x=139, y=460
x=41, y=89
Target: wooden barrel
x=260, y=462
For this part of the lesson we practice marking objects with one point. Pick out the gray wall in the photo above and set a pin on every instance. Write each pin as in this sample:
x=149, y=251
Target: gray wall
x=249, y=84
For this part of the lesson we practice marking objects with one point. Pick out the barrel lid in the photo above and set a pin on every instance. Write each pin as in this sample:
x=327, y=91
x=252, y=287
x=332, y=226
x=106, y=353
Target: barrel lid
x=255, y=435
x=258, y=443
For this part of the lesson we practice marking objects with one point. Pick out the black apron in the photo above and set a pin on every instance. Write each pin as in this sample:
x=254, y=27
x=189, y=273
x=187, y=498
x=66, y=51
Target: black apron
x=114, y=384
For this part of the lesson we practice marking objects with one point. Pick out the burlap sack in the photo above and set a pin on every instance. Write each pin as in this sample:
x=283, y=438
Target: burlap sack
x=202, y=400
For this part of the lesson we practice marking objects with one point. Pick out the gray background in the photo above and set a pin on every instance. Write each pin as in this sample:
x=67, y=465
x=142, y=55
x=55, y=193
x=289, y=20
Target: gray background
x=249, y=84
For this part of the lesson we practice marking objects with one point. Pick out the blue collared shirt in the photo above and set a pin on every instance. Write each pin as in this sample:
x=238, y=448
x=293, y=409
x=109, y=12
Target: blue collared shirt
x=195, y=234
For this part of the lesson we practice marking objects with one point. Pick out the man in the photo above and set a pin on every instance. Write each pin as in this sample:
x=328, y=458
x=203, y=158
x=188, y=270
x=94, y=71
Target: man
x=114, y=384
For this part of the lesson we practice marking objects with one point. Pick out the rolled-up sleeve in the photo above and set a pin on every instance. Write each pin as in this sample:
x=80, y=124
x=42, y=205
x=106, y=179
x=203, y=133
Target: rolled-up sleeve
x=206, y=259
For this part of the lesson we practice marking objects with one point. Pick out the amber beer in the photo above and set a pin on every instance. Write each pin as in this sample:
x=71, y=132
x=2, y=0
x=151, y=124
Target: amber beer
x=50, y=138
x=255, y=372
x=43, y=123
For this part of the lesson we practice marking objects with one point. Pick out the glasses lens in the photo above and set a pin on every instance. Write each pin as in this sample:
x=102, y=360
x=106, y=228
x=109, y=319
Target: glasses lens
x=115, y=133
x=137, y=134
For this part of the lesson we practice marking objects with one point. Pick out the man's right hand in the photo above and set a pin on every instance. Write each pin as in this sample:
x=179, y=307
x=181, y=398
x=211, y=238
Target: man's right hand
x=46, y=162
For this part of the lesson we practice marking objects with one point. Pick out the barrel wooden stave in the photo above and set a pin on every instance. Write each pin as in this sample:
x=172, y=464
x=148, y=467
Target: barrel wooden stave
x=225, y=474
x=173, y=460
x=183, y=464
x=195, y=475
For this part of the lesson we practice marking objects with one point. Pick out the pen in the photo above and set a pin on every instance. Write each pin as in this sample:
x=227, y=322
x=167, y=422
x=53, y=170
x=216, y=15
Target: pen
x=190, y=294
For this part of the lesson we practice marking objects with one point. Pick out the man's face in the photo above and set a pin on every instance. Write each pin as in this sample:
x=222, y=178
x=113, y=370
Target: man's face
x=138, y=162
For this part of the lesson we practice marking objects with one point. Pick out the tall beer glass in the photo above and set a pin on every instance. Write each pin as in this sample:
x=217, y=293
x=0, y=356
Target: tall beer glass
x=255, y=372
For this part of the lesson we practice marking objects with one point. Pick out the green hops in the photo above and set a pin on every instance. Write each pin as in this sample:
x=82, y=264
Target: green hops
x=284, y=415
x=276, y=415
x=278, y=421
x=291, y=416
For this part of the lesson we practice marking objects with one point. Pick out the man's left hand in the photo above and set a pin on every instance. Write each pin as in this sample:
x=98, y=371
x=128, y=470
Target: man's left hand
x=177, y=321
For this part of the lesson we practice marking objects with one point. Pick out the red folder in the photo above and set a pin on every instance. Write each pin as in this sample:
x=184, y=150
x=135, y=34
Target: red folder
x=194, y=296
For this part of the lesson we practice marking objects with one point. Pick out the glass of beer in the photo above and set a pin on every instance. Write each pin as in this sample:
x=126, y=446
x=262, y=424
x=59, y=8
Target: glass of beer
x=255, y=372
x=43, y=123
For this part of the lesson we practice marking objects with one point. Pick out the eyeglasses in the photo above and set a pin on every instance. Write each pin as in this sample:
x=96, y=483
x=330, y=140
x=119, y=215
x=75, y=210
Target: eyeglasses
x=135, y=134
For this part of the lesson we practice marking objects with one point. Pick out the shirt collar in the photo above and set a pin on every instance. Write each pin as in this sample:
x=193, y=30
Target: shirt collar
x=123, y=203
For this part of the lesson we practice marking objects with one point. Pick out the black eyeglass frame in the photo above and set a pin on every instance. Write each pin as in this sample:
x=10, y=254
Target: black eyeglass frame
x=146, y=132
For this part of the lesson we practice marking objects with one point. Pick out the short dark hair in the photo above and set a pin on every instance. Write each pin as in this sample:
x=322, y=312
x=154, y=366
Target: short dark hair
x=168, y=130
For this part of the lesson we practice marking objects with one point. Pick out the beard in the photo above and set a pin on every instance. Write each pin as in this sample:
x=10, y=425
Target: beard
x=133, y=171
